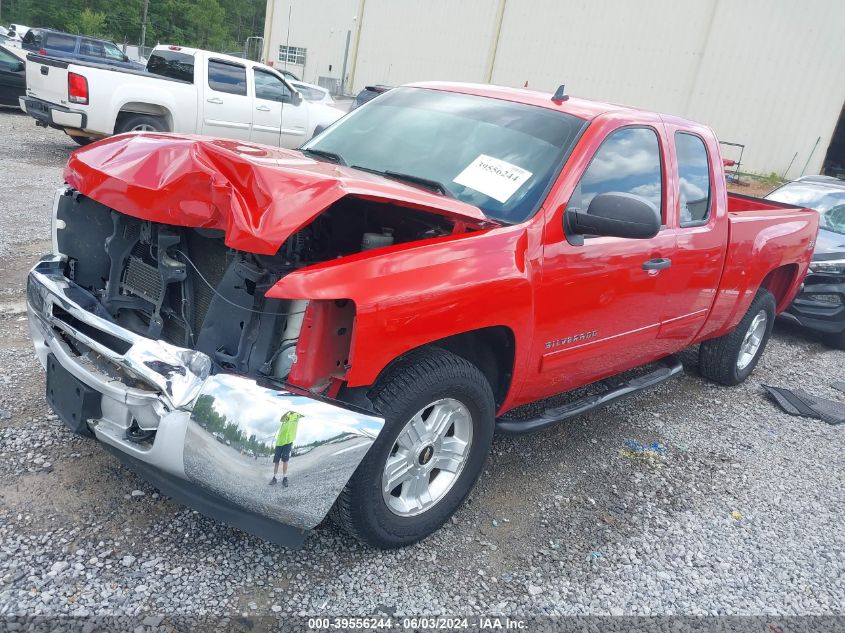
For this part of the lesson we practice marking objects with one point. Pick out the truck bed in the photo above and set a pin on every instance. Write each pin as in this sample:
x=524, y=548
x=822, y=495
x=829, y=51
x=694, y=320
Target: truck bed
x=740, y=203
x=764, y=238
x=57, y=62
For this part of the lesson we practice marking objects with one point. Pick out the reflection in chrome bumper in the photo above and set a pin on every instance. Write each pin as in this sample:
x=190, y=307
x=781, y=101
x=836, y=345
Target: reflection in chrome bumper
x=217, y=432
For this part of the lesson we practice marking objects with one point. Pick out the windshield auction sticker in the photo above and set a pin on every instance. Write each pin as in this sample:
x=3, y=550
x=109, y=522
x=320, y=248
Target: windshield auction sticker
x=495, y=178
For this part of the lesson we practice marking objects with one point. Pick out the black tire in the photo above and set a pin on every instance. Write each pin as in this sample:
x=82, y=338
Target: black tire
x=718, y=358
x=82, y=140
x=137, y=121
x=836, y=341
x=408, y=386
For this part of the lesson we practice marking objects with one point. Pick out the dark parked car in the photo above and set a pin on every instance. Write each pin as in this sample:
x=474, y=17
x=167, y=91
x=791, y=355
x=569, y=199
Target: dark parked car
x=12, y=77
x=368, y=94
x=820, y=305
x=68, y=46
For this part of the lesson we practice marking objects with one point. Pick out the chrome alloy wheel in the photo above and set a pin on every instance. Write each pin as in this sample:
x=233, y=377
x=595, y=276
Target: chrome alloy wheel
x=427, y=457
x=752, y=341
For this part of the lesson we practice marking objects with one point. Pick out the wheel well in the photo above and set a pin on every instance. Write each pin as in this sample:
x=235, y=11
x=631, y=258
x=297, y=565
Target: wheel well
x=778, y=282
x=151, y=109
x=490, y=349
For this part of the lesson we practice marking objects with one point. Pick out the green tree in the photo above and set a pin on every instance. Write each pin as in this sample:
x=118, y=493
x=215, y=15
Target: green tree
x=207, y=21
x=221, y=25
x=88, y=22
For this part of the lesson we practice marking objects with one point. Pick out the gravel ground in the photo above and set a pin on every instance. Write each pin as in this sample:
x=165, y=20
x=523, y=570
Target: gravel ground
x=741, y=514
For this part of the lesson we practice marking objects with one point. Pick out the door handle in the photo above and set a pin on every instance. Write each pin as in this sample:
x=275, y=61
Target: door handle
x=214, y=100
x=657, y=263
x=263, y=108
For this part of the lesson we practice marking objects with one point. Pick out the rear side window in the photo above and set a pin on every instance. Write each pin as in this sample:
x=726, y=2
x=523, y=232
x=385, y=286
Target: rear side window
x=60, y=42
x=628, y=161
x=172, y=64
x=694, y=179
x=32, y=38
x=226, y=77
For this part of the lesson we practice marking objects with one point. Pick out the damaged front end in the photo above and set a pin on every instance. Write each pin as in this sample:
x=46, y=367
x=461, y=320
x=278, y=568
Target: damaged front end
x=203, y=436
x=186, y=287
x=154, y=319
x=159, y=341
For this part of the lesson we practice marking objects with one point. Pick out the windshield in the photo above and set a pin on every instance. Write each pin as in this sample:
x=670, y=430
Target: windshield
x=828, y=201
x=497, y=155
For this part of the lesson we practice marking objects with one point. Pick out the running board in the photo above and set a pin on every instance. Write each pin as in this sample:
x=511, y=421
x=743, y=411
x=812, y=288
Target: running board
x=671, y=367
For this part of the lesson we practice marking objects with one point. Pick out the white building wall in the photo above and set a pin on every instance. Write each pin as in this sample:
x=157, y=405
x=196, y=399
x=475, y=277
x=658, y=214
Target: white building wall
x=765, y=73
x=320, y=26
x=769, y=74
x=403, y=41
x=773, y=78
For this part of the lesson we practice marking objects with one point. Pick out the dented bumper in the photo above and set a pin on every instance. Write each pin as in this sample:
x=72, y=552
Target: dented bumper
x=206, y=439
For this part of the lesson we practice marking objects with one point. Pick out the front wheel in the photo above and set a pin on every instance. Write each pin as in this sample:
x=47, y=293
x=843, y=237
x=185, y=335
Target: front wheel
x=731, y=358
x=439, y=418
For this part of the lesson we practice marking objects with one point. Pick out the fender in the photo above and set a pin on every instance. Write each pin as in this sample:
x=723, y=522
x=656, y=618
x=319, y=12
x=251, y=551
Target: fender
x=413, y=294
x=154, y=105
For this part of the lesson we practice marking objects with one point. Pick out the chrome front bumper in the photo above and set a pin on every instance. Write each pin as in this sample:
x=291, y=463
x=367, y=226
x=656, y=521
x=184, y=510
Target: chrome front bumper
x=214, y=434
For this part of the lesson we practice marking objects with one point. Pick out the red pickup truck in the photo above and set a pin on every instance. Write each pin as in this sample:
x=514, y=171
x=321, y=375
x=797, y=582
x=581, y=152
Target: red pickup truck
x=272, y=335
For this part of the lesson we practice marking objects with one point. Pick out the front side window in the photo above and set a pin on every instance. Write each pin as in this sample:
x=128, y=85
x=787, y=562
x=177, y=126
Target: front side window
x=292, y=55
x=693, y=179
x=628, y=161
x=268, y=86
x=112, y=52
x=92, y=48
x=226, y=77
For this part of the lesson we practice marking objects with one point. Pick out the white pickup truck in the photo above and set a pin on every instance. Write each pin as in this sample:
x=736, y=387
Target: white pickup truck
x=183, y=90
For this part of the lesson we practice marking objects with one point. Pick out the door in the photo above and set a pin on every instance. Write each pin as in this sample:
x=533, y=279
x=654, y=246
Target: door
x=12, y=78
x=227, y=108
x=279, y=118
x=270, y=93
x=700, y=237
x=599, y=306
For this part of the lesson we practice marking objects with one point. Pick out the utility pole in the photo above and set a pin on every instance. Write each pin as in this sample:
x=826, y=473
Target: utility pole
x=144, y=27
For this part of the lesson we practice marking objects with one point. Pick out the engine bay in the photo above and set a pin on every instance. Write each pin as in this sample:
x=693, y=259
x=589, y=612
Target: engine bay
x=186, y=287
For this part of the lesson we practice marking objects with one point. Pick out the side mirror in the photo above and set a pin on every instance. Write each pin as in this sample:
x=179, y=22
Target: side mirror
x=613, y=214
x=19, y=67
x=125, y=57
x=296, y=97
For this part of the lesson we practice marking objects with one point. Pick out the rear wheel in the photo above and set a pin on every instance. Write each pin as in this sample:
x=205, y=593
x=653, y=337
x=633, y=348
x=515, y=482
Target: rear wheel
x=730, y=359
x=439, y=417
x=140, y=123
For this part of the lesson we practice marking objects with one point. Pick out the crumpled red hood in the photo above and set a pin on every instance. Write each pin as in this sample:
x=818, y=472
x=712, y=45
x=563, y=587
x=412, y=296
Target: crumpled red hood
x=258, y=195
